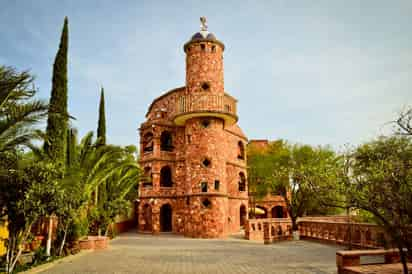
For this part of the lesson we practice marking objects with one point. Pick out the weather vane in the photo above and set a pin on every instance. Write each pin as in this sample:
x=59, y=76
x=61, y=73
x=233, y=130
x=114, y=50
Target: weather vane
x=203, y=22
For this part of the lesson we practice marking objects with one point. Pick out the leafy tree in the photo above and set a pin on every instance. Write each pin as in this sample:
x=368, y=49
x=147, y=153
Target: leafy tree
x=28, y=192
x=303, y=175
x=57, y=122
x=381, y=184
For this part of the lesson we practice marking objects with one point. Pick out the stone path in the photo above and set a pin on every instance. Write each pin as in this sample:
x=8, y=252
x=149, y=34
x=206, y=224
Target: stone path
x=171, y=254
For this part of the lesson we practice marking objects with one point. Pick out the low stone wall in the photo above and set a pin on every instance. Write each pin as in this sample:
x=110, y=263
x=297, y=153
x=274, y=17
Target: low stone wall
x=333, y=229
x=331, y=218
x=349, y=261
x=268, y=230
x=93, y=242
x=124, y=226
x=359, y=234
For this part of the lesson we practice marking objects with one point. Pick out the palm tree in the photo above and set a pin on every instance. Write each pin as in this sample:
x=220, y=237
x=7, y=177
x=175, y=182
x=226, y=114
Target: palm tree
x=118, y=192
x=91, y=165
x=19, y=112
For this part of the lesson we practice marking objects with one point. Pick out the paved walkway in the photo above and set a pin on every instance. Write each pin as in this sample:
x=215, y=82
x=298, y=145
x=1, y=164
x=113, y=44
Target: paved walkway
x=136, y=253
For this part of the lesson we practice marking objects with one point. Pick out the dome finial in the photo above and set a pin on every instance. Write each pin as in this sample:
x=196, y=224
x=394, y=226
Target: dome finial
x=203, y=26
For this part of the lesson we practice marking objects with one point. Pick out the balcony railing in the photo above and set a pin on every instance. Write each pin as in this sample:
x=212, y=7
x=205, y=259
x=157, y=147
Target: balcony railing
x=221, y=105
x=206, y=102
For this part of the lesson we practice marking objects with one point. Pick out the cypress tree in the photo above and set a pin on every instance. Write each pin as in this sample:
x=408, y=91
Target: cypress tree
x=101, y=127
x=71, y=147
x=57, y=122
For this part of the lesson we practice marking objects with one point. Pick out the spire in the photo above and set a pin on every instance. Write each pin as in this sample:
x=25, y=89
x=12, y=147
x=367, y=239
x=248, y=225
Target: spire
x=203, y=22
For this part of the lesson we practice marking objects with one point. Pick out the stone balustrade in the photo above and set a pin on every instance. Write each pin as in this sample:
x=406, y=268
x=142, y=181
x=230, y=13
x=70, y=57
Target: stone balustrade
x=268, y=230
x=210, y=102
x=223, y=106
x=361, y=235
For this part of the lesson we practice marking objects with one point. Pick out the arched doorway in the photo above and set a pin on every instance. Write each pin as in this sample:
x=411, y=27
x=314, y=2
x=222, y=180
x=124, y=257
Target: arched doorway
x=147, y=217
x=242, y=215
x=166, y=218
x=277, y=212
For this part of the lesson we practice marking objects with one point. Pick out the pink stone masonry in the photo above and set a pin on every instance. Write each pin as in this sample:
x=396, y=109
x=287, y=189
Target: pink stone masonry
x=193, y=153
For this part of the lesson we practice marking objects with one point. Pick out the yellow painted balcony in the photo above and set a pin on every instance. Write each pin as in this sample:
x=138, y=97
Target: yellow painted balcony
x=205, y=105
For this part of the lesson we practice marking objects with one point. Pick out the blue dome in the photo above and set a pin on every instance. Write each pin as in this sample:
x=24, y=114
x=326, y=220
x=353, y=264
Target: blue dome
x=203, y=35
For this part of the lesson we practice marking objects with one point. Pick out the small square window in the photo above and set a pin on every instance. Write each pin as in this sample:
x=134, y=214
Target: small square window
x=206, y=162
x=205, y=86
x=203, y=186
x=217, y=184
x=213, y=48
x=206, y=203
x=203, y=46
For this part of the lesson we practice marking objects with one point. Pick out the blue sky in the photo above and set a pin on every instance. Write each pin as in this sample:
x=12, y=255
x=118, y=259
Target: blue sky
x=317, y=72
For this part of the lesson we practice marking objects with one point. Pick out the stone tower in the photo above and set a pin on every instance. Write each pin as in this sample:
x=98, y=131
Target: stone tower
x=192, y=152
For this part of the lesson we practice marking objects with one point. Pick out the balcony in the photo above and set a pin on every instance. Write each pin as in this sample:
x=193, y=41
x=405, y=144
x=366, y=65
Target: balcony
x=202, y=105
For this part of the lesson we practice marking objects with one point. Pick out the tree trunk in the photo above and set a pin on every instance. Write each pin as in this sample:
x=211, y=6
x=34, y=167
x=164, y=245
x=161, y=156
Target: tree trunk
x=49, y=237
x=63, y=241
x=13, y=261
x=295, y=226
x=403, y=259
x=107, y=229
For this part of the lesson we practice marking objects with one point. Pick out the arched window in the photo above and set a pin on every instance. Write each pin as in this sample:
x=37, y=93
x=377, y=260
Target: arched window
x=277, y=212
x=242, y=182
x=148, y=142
x=240, y=150
x=148, y=177
x=166, y=142
x=166, y=176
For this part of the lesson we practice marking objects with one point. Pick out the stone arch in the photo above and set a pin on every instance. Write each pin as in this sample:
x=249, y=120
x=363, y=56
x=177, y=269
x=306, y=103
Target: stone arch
x=277, y=212
x=147, y=217
x=242, y=181
x=240, y=150
x=166, y=177
x=166, y=141
x=242, y=215
x=148, y=142
x=166, y=217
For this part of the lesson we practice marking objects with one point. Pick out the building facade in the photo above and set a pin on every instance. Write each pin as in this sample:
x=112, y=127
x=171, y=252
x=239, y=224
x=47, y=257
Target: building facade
x=193, y=152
